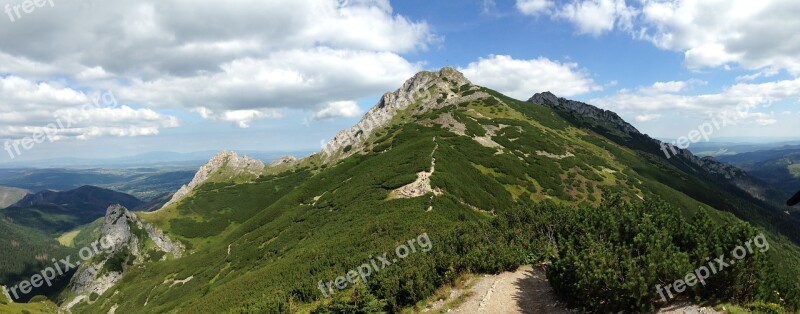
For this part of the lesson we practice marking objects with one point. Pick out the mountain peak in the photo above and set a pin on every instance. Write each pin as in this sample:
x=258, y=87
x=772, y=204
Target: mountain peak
x=127, y=241
x=225, y=166
x=452, y=74
x=447, y=73
x=421, y=93
x=544, y=98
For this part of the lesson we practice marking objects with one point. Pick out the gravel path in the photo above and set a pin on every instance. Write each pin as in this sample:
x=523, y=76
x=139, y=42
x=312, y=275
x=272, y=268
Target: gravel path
x=524, y=291
x=527, y=291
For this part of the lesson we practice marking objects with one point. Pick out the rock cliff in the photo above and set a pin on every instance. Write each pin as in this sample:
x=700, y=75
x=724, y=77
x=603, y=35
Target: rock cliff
x=123, y=240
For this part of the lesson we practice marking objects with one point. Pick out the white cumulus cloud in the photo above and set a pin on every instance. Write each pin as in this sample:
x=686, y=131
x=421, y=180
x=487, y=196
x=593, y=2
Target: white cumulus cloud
x=522, y=78
x=29, y=106
x=269, y=56
x=595, y=17
x=747, y=102
x=647, y=117
x=753, y=35
x=335, y=109
x=534, y=7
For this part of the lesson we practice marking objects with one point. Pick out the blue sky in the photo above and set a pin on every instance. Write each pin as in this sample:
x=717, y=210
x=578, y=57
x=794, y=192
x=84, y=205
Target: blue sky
x=287, y=75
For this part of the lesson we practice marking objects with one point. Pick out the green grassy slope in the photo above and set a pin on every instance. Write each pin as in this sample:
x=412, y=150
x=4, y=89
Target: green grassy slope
x=10, y=195
x=32, y=308
x=264, y=246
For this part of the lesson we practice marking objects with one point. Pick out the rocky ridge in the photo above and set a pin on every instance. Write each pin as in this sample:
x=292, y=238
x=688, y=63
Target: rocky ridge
x=597, y=116
x=123, y=238
x=424, y=91
x=584, y=110
x=226, y=165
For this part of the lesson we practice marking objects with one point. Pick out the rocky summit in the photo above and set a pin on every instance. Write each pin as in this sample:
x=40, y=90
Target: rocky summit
x=424, y=91
x=225, y=166
x=125, y=241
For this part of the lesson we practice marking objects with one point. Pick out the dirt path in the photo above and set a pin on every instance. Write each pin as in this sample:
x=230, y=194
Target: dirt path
x=524, y=291
x=527, y=291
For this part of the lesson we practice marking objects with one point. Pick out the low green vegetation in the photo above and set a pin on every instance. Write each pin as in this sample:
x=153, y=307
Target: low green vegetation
x=29, y=308
x=611, y=258
x=37, y=305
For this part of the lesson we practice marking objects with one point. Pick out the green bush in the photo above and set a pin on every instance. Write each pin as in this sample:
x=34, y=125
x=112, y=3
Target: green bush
x=361, y=301
x=611, y=258
x=117, y=262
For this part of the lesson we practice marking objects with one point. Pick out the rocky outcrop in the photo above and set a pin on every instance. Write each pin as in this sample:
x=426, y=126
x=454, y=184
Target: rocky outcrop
x=283, y=161
x=427, y=89
x=225, y=166
x=123, y=240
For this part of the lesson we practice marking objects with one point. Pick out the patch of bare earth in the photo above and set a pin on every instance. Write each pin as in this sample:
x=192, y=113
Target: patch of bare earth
x=421, y=186
x=687, y=308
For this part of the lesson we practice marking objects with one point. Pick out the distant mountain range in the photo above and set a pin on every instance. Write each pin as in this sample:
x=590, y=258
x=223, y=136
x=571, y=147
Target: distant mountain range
x=144, y=183
x=734, y=146
x=150, y=159
x=778, y=166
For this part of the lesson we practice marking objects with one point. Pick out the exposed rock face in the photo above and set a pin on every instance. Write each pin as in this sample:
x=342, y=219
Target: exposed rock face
x=584, y=110
x=224, y=166
x=425, y=88
x=122, y=242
